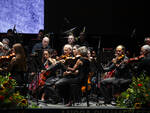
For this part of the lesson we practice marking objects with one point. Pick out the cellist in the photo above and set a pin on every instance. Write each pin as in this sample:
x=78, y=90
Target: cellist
x=39, y=81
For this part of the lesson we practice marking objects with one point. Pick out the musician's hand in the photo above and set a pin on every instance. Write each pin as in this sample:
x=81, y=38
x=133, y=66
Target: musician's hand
x=63, y=61
x=126, y=61
x=43, y=71
x=66, y=73
x=117, y=65
x=32, y=73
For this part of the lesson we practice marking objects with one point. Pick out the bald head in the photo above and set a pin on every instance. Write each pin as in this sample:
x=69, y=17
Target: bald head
x=120, y=50
x=45, y=42
x=145, y=49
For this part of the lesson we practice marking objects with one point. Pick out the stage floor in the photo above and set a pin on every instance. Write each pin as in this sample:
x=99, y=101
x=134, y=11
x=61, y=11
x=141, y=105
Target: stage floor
x=83, y=105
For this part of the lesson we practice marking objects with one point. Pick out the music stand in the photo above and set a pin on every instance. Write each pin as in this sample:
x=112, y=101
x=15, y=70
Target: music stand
x=99, y=68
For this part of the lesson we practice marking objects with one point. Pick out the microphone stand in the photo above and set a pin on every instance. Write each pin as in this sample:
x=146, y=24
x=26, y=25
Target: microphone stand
x=99, y=69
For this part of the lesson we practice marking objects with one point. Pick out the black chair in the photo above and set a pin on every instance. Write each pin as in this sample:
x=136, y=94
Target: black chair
x=77, y=94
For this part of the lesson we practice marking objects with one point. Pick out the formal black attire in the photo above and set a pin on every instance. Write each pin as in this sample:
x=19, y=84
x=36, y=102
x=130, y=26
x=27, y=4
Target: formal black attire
x=122, y=78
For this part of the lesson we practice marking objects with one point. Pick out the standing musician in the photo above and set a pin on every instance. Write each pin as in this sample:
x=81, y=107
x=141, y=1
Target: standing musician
x=122, y=76
x=17, y=66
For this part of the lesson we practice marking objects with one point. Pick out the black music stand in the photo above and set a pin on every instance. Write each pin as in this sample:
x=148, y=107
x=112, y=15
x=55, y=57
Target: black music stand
x=99, y=69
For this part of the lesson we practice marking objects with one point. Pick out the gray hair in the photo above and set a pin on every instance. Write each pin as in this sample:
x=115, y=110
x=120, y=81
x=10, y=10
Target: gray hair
x=46, y=39
x=5, y=40
x=83, y=51
x=146, y=47
x=1, y=44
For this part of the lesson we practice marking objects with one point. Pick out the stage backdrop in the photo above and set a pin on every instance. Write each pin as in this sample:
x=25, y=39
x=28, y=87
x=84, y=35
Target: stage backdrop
x=27, y=16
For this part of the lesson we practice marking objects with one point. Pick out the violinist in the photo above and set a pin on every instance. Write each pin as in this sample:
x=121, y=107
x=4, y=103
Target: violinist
x=60, y=68
x=67, y=50
x=6, y=50
x=147, y=41
x=143, y=64
x=17, y=66
x=122, y=76
x=81, y=71
x=5, y=59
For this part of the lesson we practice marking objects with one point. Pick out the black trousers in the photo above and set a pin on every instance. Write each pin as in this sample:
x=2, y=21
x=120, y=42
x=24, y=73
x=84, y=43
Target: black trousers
x=63, y=88
x=111, y=86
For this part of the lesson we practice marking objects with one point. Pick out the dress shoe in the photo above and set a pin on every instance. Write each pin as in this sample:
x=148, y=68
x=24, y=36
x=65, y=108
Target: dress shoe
x=69, y=104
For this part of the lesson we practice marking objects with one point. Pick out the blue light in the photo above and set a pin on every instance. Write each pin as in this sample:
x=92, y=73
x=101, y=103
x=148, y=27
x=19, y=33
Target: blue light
x=27, y=15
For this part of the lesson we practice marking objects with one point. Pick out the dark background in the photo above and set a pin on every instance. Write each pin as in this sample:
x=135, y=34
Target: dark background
x=104, y=17
x=110, y=22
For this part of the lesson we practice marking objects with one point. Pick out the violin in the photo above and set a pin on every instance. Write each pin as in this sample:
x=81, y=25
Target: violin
x=63, y=57
x=115, y=60
x=6, y=58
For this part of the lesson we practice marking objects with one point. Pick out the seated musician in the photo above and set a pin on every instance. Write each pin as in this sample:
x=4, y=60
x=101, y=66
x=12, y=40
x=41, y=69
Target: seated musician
x=42, y=45
x=143, y=65
x=49, y=77
x=43, y=76
x=49, y=88
x=76, y=74
x=122, y=76
x=71, y=39
x=80, y=71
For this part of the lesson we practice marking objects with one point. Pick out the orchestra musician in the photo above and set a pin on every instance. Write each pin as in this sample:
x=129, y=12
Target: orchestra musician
x=16, y=65
x=49, y=88
x=147, y=40
x=71, y=40
x=122, y=76
x=1, y=49
x=80, y=71
x=82, y=39
x=42, y=45
x=143, y=64
x=47, y=61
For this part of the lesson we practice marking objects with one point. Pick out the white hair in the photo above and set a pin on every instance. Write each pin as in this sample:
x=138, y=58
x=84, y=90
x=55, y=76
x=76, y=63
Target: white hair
x=68, y=46
x=146, y=47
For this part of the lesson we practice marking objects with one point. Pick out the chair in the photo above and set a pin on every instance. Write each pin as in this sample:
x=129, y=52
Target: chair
x=78, y=89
